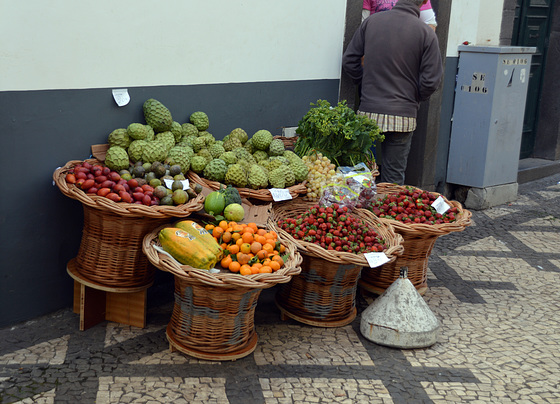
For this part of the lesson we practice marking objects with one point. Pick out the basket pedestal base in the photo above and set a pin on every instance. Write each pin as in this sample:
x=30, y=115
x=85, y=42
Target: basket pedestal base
x=240, y=352
x=96, y=303
x=285, y=314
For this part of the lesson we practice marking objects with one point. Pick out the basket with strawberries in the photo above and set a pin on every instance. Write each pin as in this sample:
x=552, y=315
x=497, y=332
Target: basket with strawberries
x=333, y=241
x=420, y=217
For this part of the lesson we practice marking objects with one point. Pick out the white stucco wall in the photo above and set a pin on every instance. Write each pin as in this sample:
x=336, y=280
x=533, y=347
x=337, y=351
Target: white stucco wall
x=476, y=21
x=64, y=44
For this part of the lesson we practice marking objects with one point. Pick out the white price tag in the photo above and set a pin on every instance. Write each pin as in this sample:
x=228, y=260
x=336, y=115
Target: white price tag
x=376, y=259
x=121, y=96
x=440, y=205
x=280, y=194
x=169, y=183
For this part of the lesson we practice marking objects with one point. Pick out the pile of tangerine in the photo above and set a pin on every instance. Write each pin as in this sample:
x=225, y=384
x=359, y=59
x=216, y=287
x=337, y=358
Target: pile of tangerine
x=248, y=249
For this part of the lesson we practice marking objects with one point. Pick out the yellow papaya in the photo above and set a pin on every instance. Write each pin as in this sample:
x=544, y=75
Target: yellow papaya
x=202, y=234
x=186, y=248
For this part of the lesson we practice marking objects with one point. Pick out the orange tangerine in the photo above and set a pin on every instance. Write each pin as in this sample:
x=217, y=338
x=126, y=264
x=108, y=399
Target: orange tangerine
x=253, y=226
x=282, y=248
x=247, y=237
x=217, y=232
x=278, y=259
x=245, y=267
x=242, y=258
x=209, y=227
x=268, y=248
x=231, y=224
x=265, y=269
x=261, y=232
x=274, y=265
x=260, y=239
x=245, y=248
x=256, y=265
x=237, y=227
x=226, y=237
x=233, y=249
x=226, y=261
x=224, y=246
x=266, y=261
x=246, y=271
x=255, y=270
x=239, y=242
x=234, y=266
x=256, y=247
x=262, y=254
x=235, y=236
x=223, y=225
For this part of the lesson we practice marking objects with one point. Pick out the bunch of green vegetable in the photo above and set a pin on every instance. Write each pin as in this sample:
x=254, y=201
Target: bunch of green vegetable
x=345, y=137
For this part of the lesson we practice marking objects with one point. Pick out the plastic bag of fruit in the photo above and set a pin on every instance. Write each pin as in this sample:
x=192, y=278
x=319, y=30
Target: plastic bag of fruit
x=351, y=186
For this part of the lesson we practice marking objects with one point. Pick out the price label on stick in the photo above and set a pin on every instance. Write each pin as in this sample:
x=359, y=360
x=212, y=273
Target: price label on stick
x=280, y=194
x=376, y=259
x=440, y=205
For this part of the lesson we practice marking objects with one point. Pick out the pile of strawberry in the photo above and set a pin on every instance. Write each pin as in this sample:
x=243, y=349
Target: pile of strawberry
x=412, y=205
x=333, y=228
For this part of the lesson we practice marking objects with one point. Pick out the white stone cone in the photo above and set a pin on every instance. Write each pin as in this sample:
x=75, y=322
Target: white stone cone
x=400, y=318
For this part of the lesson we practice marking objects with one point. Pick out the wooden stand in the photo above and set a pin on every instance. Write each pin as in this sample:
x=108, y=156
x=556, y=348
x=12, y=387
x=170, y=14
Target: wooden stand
x=96, y=303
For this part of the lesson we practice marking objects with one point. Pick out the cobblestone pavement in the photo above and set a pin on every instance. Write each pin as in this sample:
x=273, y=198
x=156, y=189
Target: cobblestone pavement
x=494, y=288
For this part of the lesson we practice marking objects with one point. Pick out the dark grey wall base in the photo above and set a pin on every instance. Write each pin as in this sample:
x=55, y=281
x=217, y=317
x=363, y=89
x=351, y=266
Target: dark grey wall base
x=40, y=228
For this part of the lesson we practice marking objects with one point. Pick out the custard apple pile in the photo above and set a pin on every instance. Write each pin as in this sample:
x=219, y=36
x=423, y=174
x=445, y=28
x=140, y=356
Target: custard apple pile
x=257, y=162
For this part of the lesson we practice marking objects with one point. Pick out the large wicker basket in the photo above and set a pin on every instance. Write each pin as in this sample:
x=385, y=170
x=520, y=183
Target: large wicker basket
x=110, y=252
x=213, y=314
x=258, y=194
x=324, y=294
x=419, y=240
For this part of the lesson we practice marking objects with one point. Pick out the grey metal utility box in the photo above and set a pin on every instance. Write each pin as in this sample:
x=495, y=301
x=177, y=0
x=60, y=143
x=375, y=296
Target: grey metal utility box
x=488, y=115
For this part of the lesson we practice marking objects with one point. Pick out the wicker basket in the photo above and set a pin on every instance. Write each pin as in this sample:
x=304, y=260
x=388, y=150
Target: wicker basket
x=110, y=252
x=258, y=194
x=289, y=142
x=324, y=294
x=419, y=240
x=213, y=314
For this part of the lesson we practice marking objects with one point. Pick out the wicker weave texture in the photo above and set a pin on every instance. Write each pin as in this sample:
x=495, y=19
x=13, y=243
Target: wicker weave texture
x=212, y=319
x=324, y=292
x=419, y=240
x=258, y=194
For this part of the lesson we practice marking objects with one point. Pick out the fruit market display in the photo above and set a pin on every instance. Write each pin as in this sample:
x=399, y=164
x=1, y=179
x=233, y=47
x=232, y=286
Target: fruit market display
x=242, y=248
x=143, y=186
x=333, y=228
x=411, y=205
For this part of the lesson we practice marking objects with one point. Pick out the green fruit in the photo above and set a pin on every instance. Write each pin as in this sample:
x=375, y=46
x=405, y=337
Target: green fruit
x=197, y=188
x=137, y=131
x=179, y=196
x=119, y=137
x=179, y=177
x=160, y=192
x=175, y=169
x=214, y=203
x=150, y=176
x=261, y=139
x=116, y=158
x=166, y=200
x=157, y=115
x=234, y=212
x=155, y=182
x=177, y=184
x=200, y=120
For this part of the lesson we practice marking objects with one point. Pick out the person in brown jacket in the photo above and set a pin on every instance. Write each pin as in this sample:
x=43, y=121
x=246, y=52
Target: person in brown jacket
x=401, y=67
